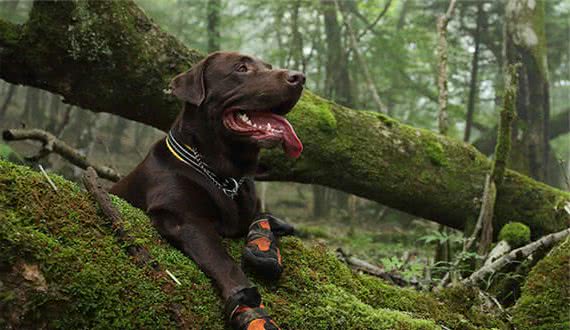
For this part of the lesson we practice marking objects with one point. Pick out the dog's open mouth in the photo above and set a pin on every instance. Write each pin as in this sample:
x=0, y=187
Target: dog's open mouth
x=264, y=127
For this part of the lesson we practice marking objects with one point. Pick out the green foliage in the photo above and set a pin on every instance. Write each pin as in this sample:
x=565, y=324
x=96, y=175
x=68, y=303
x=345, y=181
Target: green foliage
x=442, y=237
x=515, y=233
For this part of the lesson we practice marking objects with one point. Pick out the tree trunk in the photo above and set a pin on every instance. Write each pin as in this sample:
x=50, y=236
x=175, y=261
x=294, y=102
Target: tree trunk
x=337, y=81
x=557, y=125
x=214, y=8
x=473, y=90
x=7, y=100
x=525, y=42
x=360, y=152
x=296, y=47
x=54, y=106
x=321, y=205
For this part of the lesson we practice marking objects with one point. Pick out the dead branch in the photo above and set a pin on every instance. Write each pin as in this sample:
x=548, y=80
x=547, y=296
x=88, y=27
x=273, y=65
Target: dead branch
x=53, y=144
x=370, y=269
x=498, y=251
x=138, y=252
x=517, y=254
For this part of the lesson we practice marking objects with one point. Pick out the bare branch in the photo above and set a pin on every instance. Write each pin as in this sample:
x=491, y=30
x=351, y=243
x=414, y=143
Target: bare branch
x=370, y=26
x=517, y=254
x=138, y=252
x=362, y=63
x=53, y=144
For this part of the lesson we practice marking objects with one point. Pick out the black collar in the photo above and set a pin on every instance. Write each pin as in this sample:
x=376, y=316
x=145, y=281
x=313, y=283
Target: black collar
x=189, y=156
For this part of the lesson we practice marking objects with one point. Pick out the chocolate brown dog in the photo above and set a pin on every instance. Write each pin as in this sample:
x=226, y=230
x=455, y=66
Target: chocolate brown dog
x=196, y=184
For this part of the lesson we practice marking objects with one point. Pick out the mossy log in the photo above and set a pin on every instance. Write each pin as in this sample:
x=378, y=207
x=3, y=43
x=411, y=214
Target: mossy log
x=109, y=56
x=61, y=266
x=545, y=300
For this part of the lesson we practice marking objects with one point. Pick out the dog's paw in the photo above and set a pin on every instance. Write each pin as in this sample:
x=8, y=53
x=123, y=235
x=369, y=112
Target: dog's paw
x=246, y=312
x=261, y=252
x=278, y=226
x=263, y=323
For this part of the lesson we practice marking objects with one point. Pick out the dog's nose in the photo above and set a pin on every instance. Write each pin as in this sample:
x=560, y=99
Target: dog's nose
x=295, y=78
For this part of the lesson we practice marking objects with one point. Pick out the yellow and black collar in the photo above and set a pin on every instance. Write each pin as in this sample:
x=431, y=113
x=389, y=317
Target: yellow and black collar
x=190, y=157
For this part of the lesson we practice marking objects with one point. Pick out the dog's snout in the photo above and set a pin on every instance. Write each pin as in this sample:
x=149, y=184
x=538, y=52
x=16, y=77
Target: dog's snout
x=295, y=78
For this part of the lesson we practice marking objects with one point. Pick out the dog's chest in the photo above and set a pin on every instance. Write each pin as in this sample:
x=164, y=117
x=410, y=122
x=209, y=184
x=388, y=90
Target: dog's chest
x=238, y=213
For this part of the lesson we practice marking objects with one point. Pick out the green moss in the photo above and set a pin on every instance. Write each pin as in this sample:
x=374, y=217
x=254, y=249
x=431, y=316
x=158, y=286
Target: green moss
x=545, y=300
x=314, y=110
x=390, y=122
x=435, y=152
x=515, y=233
x=93, y=283
x=86, y=39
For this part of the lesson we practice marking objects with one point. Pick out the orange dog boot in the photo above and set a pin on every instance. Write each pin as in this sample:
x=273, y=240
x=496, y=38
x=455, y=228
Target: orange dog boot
x=246, y=312
x=261, y=252
x=278, y=227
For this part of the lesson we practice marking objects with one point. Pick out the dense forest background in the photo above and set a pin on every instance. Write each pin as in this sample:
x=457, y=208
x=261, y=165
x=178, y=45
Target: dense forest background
x=376, y=55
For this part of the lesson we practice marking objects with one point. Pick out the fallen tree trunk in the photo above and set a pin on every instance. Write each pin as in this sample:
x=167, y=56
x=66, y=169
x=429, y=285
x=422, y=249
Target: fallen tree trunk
x=62, y=266
x=109, y=57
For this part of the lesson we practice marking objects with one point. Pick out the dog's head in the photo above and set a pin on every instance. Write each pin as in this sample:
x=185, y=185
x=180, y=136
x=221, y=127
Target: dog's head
x=242, y=99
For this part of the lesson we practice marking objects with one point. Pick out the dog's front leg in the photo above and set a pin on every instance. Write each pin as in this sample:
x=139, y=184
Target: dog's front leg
x=198, y=239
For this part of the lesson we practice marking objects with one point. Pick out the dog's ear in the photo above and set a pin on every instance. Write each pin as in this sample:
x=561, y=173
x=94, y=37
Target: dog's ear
x=189, y=86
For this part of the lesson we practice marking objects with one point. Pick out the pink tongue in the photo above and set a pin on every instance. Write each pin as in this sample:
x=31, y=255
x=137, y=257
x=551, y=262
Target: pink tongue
x=291, y=143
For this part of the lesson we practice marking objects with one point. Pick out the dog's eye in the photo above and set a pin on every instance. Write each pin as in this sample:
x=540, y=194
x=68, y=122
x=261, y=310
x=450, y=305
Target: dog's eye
x=242, y=68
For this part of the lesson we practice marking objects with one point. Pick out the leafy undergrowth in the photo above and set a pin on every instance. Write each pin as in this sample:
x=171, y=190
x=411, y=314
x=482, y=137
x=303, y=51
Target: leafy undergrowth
x=61, y=267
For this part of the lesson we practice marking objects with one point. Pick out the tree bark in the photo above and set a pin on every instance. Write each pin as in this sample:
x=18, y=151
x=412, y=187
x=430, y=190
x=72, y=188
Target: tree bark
x=214, y=8
x=525, y=42
x=473, y=90
x=70, y=47
x=7, y=100
x=557, y=125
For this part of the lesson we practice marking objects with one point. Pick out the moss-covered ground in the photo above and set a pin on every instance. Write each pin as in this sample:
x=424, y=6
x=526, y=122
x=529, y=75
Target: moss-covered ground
x=545, y=299
x=61, y=267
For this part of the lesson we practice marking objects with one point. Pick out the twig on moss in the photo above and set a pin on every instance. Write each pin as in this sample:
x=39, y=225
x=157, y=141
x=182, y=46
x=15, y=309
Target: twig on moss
x=173, y=277
x=138, y=252
x=53, y=144
x=54, y=187
x=517, y=254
